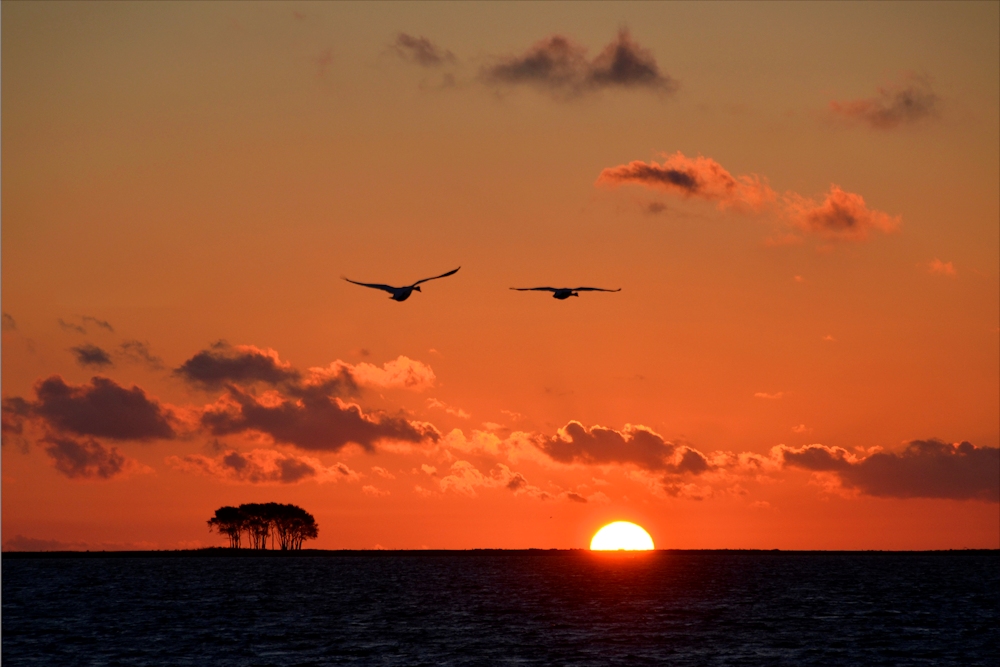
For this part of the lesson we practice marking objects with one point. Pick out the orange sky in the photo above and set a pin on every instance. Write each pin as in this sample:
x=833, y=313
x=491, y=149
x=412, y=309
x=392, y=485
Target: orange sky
x=800, y=204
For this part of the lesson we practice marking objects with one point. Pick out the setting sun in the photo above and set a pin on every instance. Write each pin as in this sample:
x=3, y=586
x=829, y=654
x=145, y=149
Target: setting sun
x=621, y=536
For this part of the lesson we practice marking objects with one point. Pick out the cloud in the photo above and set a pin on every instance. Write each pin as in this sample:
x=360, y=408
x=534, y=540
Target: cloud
x=771, y=397
x=8, y=323
x=636, y=445
x=69, y=326
x=88, y=459
x=313, y=422
x=516, y=446
x=421, y=50
x=699, y=177
x=937, y=267
x=91, y=355
x=102, y=408
x=560, y=66
x=262, y=466
x=374, y=492
x=14, y=412
x=841, y=216
x=382, y=472
x=138, y=352
x=243, y=364
x=893, y=105
x=458, y=412
x=924, y=469
x=23, y=543
x=402, y=372
x=625, y=63
x=464, y=478
x=101, y=323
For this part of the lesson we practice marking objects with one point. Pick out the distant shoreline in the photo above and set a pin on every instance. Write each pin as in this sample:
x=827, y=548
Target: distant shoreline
x=224, y=552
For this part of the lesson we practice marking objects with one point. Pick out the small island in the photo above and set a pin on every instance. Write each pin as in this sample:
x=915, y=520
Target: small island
x=289, y=525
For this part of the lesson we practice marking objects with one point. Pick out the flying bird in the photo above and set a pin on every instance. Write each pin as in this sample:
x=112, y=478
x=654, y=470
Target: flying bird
x=401, y=293
x=564, y=292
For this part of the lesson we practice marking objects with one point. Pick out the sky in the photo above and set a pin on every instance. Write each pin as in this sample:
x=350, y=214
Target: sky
x=800, y=204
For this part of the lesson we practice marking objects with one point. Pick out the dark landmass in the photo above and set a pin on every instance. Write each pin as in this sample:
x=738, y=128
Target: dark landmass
x=224, y=552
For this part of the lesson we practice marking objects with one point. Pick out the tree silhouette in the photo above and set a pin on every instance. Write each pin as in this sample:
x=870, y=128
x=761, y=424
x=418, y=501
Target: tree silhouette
x=228, y=521
x=290, y=525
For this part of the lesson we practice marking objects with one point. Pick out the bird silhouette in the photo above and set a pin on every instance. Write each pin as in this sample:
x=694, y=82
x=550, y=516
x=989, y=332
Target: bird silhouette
x=564, y=292
x=401, y=293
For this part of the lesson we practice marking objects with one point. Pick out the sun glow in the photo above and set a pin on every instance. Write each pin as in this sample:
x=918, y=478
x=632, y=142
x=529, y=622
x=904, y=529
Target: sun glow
x=621, y=536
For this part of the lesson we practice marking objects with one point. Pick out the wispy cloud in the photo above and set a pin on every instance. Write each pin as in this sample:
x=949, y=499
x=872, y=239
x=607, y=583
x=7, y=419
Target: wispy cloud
x=893, y=105
x=70, y=326
x=939, y=268
x=700, y=177
x=839, y=216
x=771, y=397
x=421, y=51
x=138, y=352
x=91, y=355
x=101, y=323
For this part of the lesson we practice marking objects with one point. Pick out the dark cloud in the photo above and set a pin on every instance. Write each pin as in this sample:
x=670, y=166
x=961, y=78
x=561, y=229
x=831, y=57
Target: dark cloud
x=625, y=63
x=637, y=445
x=223, y=364
x=575, y=497
x=285, y=469
x=650, y=174
x=84, y=460
x=138, y=352
x=14, y=412
x=517, y=481
x=555, y=62
x=91, y=355
x=925, y=469
x=559, y=65
x=314, y=422
x=101, y=323
x=69, y=326
x=421, y=50
x=102, y=409
x=692, y=461
x=8, y=323
x=893, y=106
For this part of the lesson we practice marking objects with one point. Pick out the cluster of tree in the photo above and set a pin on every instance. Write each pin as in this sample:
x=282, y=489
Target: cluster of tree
x=290, y=525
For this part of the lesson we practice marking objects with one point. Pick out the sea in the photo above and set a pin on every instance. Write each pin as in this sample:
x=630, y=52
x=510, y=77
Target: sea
x=488, y=607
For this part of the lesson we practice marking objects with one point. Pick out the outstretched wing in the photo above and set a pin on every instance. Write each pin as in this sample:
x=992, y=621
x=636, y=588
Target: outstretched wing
x=443, y=275
x=387, y=288
x=536, y=289
x=595, y=289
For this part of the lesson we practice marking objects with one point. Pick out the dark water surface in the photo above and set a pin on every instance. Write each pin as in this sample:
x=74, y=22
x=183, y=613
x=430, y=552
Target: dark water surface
x=504, y=608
